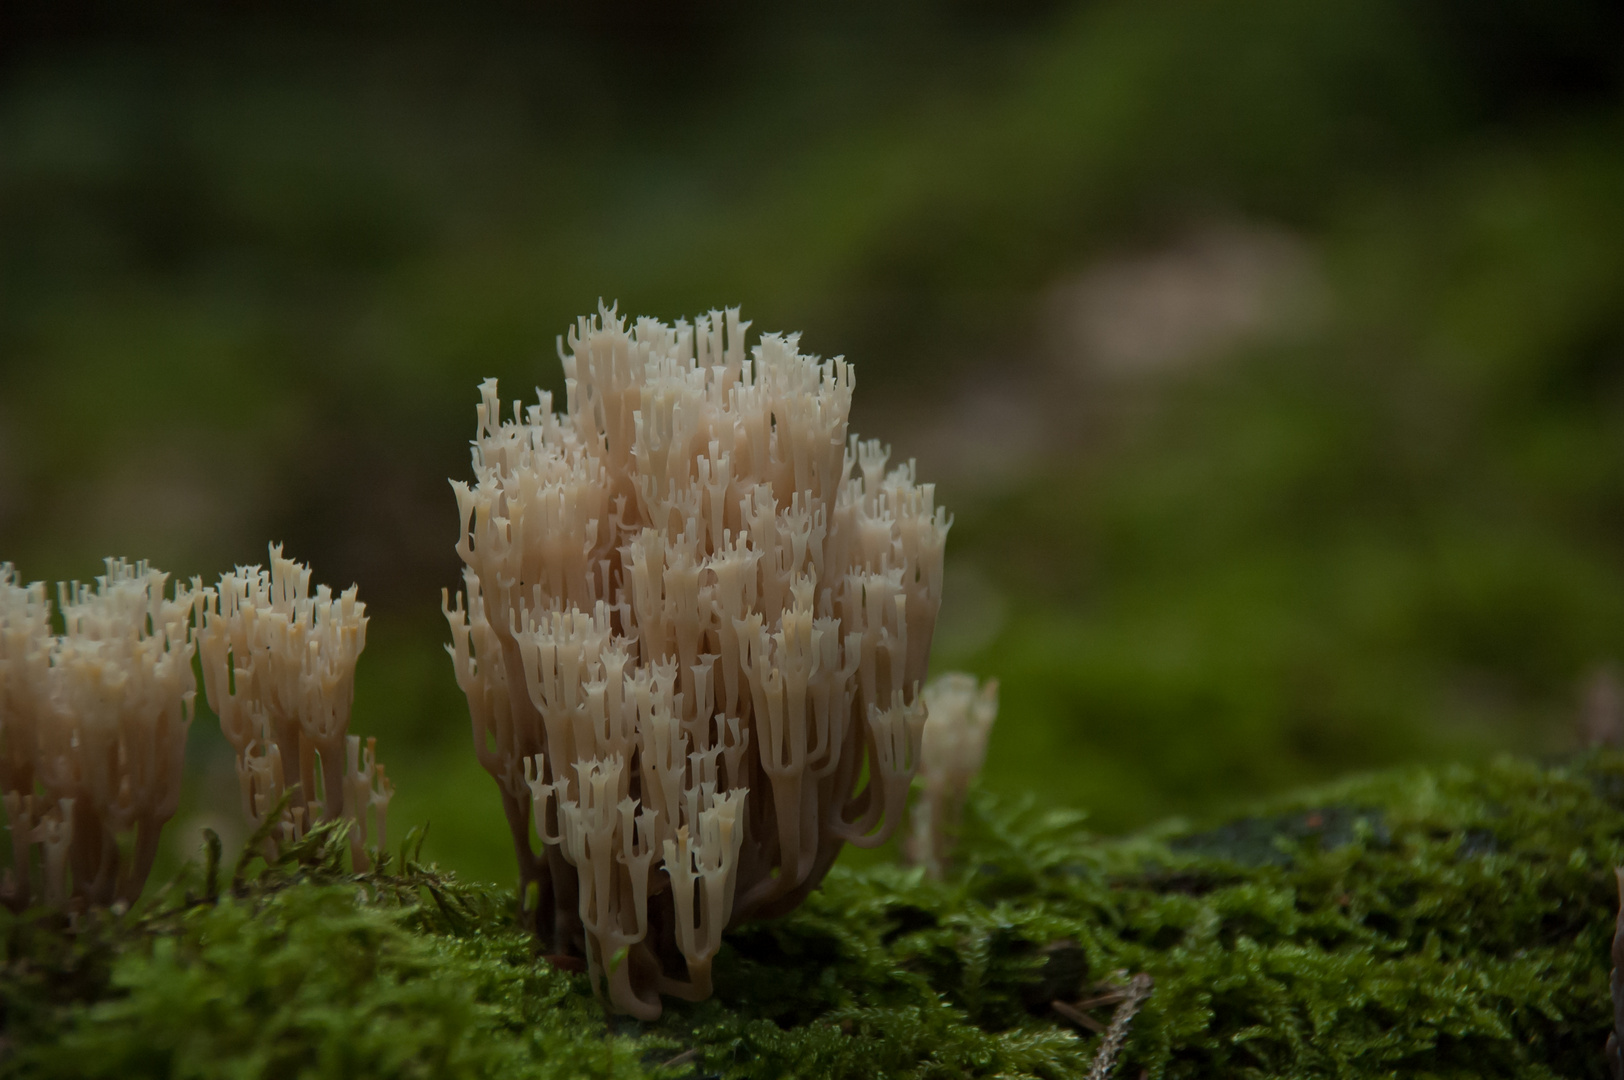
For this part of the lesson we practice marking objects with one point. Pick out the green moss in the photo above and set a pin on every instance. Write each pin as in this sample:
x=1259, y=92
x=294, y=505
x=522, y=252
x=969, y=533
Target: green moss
x=304, y=971
x=1418, y=923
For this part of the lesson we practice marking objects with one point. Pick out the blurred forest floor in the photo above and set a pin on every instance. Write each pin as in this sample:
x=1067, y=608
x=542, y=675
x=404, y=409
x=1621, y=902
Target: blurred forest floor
x=1270, y=354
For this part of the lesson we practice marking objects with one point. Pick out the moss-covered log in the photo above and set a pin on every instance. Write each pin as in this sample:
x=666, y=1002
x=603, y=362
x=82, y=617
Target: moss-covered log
x=1444, y=923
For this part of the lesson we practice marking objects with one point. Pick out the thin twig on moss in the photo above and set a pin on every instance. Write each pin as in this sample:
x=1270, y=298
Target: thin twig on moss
x=1104, y=1062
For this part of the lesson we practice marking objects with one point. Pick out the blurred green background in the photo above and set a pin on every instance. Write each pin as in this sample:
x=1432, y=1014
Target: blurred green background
x=1271, y=354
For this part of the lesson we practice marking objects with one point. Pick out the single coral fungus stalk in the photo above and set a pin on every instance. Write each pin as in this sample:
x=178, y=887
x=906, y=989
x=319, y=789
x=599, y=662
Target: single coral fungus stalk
x=279, y=672
x=954, y=747
x=697, y=615
x=94, y=726
x=367, y=791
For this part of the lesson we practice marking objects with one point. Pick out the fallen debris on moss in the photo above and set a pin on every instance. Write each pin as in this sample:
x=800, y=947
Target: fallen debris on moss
x=1423, y=923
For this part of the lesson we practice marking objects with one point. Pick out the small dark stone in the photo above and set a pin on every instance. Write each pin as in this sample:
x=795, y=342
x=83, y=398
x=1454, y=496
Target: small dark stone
x=1256, y=841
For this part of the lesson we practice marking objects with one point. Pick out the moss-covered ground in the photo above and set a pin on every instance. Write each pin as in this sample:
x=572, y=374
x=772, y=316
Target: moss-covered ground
x=1419, y=923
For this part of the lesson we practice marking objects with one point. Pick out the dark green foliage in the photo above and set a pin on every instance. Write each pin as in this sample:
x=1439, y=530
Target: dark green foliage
x=1447, y=923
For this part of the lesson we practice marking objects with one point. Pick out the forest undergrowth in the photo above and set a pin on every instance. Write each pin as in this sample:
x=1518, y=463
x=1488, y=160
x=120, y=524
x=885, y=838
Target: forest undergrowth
x=1445, y=922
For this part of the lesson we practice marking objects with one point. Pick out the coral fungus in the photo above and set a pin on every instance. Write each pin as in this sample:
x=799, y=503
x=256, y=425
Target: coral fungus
x=93, y=723
x=696, y=619
x=279, y=671
x=950, y=758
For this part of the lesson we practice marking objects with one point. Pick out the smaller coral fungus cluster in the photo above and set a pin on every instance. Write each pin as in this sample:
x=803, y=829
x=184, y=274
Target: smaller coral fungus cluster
x=93, y=720
x=279, y=671
x=93, y=723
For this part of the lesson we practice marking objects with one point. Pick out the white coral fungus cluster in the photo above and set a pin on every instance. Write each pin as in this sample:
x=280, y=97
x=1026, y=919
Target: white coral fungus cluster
x=93, y=726
x=279, y=671
x=954, y=748
x=697, y=615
